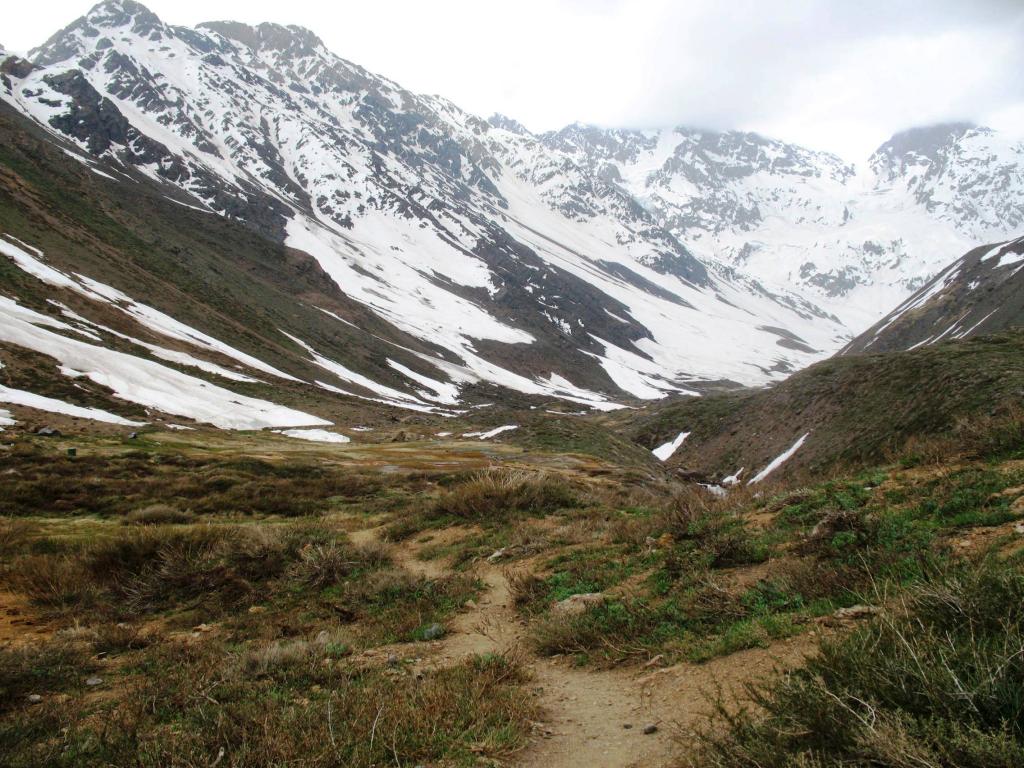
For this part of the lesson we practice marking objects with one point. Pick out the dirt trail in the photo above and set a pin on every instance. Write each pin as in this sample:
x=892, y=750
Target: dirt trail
x=592, y=718
x=18, y=623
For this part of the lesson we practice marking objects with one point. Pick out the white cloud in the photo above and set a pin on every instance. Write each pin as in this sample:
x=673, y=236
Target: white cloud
x=833, y=75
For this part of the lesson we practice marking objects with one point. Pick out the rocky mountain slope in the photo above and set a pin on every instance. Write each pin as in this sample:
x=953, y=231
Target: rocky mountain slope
x=416, y=209
x=981, y=292
x=591, y=266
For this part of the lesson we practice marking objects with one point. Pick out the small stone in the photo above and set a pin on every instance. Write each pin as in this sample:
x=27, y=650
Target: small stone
x=1019, y=529
x=857, y=612
x=35, y=698
x=433, y=632
x=469, y=605
x=392, y=660
x=627, y=726
x=48, y=432
x=496, y=555
x=578, y=604
x=650, y=728
x=92, y=682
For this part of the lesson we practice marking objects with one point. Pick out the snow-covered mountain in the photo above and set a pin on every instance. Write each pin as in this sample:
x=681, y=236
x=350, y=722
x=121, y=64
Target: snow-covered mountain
x=855, y=241
x=586, y=264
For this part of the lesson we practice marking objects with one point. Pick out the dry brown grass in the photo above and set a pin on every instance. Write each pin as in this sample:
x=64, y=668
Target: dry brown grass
x=144, y=570
x=322, y=564
x=500, y=494
x=14, y=534
x=526, y=587
x=158, y=514
x=258, y=707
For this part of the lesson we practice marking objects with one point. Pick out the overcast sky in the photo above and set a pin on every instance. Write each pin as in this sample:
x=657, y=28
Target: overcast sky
x=831, y=74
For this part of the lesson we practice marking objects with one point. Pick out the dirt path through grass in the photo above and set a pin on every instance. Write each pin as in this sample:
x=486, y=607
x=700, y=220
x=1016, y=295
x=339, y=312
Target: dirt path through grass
x=592, y=718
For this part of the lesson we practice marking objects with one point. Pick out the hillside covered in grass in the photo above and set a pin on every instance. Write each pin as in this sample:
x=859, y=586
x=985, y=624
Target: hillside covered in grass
x=854, y=410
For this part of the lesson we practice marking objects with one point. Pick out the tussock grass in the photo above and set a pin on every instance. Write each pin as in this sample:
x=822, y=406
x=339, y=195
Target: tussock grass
x=216, y=568
x=158, y=514
x=269, y=706
x=56, y=666
x=998, y=434
x=43, y=483
x=395, y=606
x=494, y=497
x=501, y=494
x=322, y=564
x=937, y=681
x=527, y=588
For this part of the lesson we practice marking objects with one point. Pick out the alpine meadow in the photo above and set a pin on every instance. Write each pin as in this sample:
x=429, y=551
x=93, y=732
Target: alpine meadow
x=343, y=427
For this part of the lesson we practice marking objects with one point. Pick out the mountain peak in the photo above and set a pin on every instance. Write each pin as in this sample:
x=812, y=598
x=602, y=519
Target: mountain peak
x=924, y=140
x=290, y=39
x=506, y=123
x=111, y=14
x=117, y=13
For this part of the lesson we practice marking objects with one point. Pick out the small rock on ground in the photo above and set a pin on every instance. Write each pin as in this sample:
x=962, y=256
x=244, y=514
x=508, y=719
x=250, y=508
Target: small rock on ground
x=433, y=632
x=857, y=612
x=577, y=604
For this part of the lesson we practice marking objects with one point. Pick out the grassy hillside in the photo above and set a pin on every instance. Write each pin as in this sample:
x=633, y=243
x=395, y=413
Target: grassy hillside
x=857, y=409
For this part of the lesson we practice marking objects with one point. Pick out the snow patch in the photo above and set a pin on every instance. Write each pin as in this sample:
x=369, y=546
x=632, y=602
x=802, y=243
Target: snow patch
x=734, y=478
x=52, y=405
x=778, y=461
x=315, y=435
x=145, y=382
x=151, y=318
x=664, y=452
x=491, y=433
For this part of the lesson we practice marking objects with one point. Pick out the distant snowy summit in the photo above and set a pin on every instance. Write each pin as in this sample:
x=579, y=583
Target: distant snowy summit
x=853, y=240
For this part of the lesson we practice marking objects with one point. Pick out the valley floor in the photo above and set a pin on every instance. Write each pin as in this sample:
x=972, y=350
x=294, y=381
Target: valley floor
x=244, y=600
